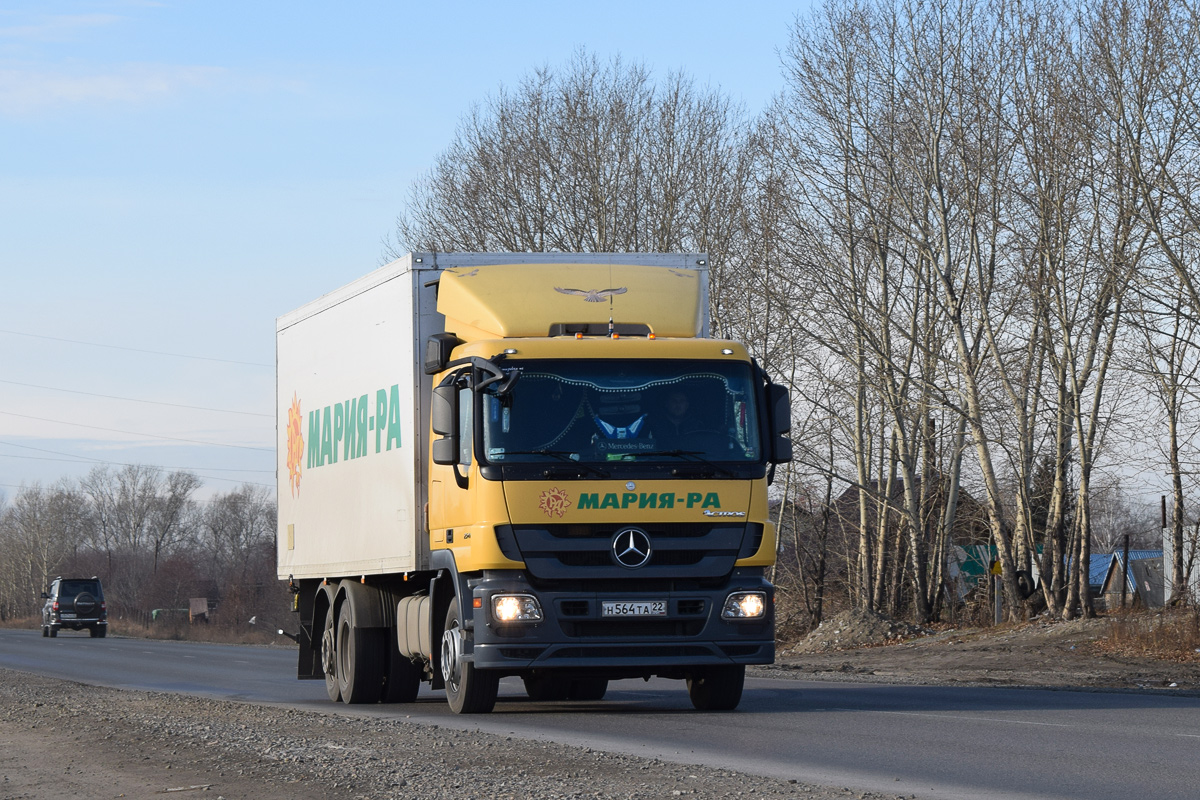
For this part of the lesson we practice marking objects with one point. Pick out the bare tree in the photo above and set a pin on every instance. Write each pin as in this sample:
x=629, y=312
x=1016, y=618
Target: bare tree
x=168, y=519
x=588, y=157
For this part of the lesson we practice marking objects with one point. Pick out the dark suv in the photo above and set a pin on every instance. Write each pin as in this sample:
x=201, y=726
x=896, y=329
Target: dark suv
x=75, y=603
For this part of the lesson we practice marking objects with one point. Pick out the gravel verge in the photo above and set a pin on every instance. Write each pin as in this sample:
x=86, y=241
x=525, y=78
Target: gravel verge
x=60, y=739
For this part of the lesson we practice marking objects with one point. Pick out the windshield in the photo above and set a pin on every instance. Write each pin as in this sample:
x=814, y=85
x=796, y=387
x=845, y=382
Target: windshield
x=627, y=411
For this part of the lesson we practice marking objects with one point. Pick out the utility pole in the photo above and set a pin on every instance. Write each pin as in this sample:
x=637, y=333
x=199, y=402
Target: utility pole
x=1125, y=571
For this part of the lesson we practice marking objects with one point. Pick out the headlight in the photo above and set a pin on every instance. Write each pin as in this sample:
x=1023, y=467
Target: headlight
x=516, y=608
x=745, y=605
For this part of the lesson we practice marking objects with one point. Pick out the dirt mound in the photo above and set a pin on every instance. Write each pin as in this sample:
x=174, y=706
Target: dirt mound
x=857, y=628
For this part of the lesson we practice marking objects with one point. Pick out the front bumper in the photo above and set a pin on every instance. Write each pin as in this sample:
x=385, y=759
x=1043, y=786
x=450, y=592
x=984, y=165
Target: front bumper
x=575, y=634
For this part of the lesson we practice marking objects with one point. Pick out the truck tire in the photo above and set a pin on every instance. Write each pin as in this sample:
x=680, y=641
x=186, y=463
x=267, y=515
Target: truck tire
x=717, y=688
x=468, y=690
x=360, y=657
x=588, y=689
x=546, y=688
x=329, y=656
x=403, y=679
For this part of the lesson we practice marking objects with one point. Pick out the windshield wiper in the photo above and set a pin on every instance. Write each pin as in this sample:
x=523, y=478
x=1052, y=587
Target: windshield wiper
x=689, y=455
x=561, y=455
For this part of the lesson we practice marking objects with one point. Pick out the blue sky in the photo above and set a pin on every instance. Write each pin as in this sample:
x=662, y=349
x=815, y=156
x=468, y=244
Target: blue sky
x=175, y=175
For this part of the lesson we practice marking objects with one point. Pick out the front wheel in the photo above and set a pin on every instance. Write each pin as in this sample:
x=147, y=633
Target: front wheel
x=468, y=690
x=588, y=689
x=717, y=688
x=543, y=688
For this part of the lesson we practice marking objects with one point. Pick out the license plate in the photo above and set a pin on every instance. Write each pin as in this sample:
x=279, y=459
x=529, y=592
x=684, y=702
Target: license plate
x=67, y=615
x=634, y=608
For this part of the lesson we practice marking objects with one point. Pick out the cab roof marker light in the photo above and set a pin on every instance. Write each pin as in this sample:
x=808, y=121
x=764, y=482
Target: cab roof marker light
x=726, y=351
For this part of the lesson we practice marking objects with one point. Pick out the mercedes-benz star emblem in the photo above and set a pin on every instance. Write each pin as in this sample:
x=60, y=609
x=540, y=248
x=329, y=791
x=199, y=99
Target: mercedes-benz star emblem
x=631, y=548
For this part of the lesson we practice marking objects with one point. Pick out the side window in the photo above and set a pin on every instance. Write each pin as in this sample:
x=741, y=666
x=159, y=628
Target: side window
x=466, y=434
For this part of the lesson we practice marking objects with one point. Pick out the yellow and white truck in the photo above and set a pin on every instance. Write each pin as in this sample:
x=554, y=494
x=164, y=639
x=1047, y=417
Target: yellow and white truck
x=530, y=465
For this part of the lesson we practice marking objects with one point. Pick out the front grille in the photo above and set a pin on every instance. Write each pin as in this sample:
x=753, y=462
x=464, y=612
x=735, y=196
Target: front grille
x=584, y=552
x=691, y=607
x=575, y=608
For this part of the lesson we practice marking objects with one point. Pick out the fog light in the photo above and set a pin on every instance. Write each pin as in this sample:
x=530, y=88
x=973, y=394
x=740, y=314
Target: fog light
x=516, y=608
x=745, y=605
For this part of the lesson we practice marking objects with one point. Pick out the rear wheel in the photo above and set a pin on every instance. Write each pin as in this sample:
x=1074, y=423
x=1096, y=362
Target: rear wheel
x=468, y=690
x=45, y=631
x=97, y=631
x=53, y=631
x=359, y=654
x=329, y=658
x=717, y=688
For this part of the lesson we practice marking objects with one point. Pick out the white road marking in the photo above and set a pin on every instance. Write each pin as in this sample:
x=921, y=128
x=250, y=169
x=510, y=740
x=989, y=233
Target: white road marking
x=961, y=717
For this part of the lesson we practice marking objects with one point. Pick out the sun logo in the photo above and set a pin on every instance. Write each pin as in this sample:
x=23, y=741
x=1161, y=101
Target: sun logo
x=295, y=451
x=554, y=502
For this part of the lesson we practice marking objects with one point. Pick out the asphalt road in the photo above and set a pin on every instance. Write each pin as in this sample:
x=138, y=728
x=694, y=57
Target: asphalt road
x=933, y=742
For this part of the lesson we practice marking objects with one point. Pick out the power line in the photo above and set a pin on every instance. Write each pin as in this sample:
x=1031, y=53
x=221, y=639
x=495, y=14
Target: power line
x=89, y=460
x=78, y=459
x=136, y=400
x=138, y=433
x=138, y=350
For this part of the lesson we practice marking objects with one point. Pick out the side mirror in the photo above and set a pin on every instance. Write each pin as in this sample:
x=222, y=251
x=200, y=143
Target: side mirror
x=45, y=596
x=443, y=419
x=437, y=351
x=445, y=451
x=443, y=413
x=779, y=406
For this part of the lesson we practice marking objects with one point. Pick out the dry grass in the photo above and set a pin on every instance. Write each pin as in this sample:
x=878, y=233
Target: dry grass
x=179, y=630
x=1171, y=634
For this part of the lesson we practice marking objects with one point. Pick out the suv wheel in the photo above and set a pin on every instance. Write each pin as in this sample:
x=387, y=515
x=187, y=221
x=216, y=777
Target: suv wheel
x=45, y=631
x=98, y=631
x=53, y=631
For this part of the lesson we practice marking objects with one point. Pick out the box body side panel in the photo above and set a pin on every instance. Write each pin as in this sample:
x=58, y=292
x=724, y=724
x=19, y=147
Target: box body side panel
x=352, y=411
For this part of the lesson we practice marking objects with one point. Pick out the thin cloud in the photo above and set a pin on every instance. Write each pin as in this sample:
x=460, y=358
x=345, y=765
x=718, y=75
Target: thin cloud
x=57, y=28
x=25, y=90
